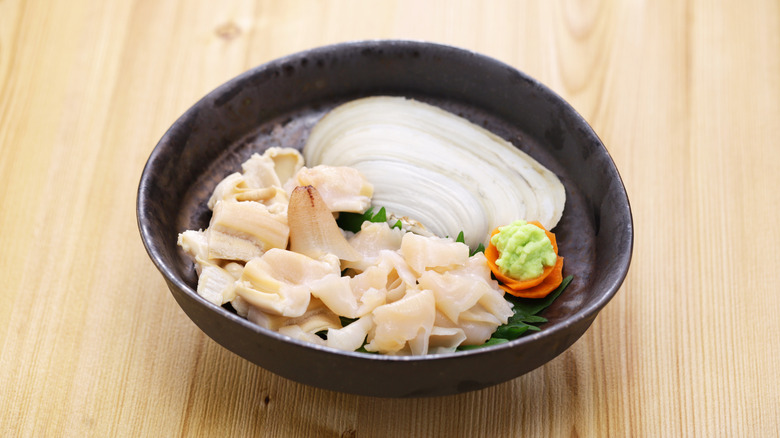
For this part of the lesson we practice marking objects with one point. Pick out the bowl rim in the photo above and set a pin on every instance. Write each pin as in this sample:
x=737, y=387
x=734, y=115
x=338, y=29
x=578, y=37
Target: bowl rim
x=587, y=312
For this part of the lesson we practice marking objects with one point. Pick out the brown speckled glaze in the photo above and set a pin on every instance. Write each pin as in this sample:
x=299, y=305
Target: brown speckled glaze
x=277, y=103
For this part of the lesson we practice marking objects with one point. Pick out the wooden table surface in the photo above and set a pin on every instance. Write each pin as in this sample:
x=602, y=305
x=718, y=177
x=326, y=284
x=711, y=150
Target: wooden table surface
x=685, y=95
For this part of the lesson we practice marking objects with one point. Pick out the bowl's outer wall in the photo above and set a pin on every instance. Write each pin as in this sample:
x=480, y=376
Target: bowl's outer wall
x=339, y=73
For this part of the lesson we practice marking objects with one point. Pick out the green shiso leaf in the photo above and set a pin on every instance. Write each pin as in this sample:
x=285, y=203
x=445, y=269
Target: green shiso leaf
x=353, y=221
x=346, y=321
x=531, y=306
x=380, y=217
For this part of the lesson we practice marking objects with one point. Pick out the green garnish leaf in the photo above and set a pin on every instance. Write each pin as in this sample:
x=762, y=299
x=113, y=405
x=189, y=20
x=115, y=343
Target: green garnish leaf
x=462, y=239
x=480, y=248
x=353, y=221
x=346, y=321
x=532, y=306
x=511, y=331
x=534, y=319
x=380, y=217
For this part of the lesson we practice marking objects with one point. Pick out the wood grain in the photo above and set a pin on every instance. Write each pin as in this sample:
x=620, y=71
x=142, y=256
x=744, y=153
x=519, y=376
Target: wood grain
x=685, y=94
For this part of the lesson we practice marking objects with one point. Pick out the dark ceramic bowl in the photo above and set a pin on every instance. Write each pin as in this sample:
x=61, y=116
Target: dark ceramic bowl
x=277, y=103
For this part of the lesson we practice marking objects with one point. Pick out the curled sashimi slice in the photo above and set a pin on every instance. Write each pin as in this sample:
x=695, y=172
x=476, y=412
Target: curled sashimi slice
x=235, y=188
x=342, y=188
x=216, y=285
x=244, y=230
x=287, y=161
x=351, y=337
x=337, y=294
x=196, y=244
x=456, y=294
x=468, y=299
x=475, y=330
x=259, y=316
x=259, y=172
x=261, y=178
x=373, y=238
x=227, y=189
x=445, y=340
x=317, y=318
x=296, y=332
x=423, y=253
x=313, y=230
x=403, y=321
x=400, y=276
x=278, y=281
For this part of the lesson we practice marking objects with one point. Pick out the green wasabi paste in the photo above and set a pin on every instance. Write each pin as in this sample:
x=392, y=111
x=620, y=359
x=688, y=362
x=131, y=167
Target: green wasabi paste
x=524, y=250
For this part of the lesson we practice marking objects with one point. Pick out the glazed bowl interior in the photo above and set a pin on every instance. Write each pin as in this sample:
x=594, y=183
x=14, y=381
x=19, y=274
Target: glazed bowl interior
x=277, y=103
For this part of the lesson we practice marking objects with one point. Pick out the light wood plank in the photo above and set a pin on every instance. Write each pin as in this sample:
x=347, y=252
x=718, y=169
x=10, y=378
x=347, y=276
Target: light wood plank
x=686, y=96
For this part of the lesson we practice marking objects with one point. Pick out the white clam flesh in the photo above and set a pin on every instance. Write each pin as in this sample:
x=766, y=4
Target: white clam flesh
x=435, y=167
